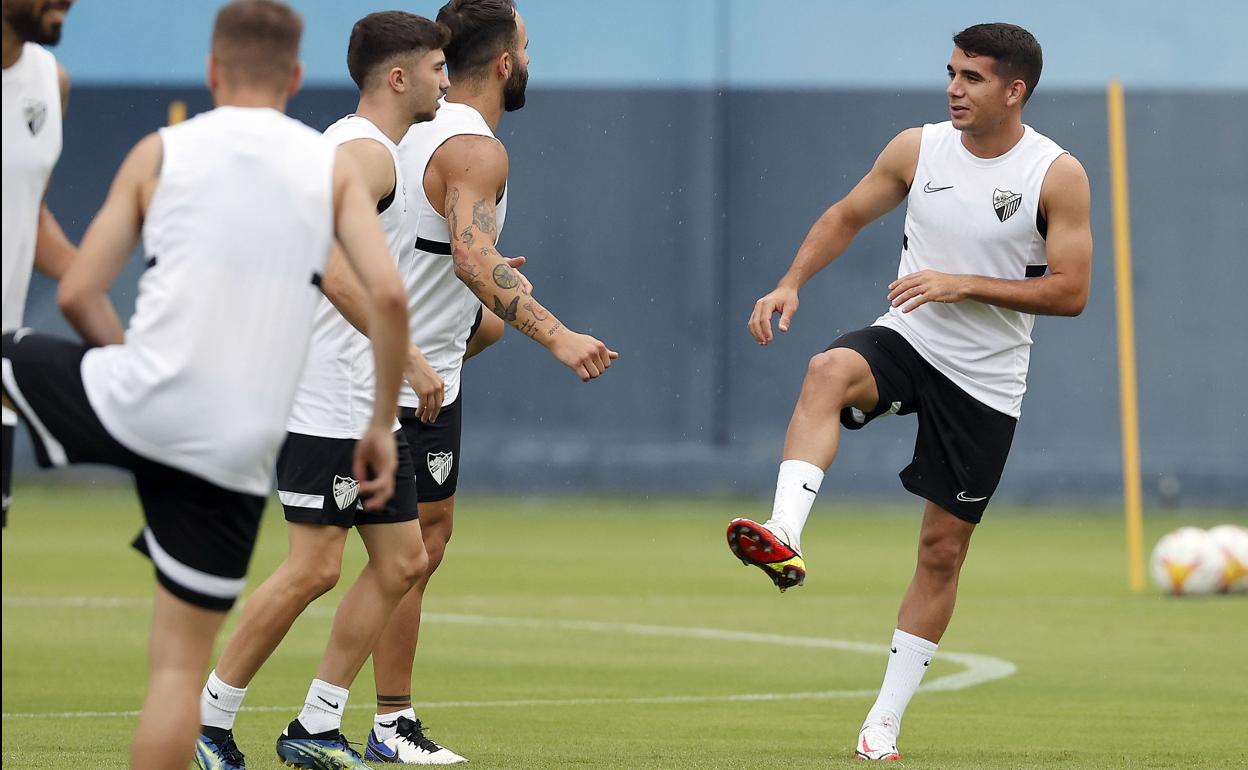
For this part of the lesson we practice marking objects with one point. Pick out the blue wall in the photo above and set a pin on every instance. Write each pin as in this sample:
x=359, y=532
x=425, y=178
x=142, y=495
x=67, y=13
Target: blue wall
x=739, y=43
x=671, y=158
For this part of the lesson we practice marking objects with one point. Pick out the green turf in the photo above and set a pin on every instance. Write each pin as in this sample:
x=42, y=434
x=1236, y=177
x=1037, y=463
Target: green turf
x=1105, y=678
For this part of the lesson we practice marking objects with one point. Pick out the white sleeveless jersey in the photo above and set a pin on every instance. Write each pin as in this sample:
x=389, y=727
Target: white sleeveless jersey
x=441, y=309
x=334, y=398
x=237, y=233
x=976, y=216
x=32, y=144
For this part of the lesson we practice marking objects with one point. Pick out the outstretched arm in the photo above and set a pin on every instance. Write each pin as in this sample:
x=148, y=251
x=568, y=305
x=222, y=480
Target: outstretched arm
x=474, y=169
x=879, y=192
x=108, y=243
x=1066, y=202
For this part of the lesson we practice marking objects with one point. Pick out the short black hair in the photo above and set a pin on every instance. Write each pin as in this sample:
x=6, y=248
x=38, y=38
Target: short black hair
x=480, y=30
x=1016, y=50
x=378, y=37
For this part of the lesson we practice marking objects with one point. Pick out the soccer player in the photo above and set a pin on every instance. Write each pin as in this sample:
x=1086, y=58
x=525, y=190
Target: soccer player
x=462, y=168
x=395, y=59
x=237, y=209
x=997, y=231
x=36, y=91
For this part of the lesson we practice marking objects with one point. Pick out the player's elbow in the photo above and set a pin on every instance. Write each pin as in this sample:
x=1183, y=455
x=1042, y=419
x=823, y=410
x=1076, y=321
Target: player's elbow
x=390, y=299
x=71, y=299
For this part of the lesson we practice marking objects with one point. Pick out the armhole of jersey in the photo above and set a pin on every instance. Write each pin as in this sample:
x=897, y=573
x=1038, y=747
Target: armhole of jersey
x=1042, y=224
x=153, y=202
x=428, y=162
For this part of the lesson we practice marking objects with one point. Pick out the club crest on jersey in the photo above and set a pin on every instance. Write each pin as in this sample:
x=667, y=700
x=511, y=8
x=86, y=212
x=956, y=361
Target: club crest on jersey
x=36, y=115
x=440, y=465
x=1005, y=203
x=346, y=489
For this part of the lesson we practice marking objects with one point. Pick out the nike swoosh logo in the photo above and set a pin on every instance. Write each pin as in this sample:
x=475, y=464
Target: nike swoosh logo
x=212, y=694
x=892, y=649
x=926, y=663
x=967, y=499
x=927, y=188
x=808, y=489
x=327, y=703
x=387, y=725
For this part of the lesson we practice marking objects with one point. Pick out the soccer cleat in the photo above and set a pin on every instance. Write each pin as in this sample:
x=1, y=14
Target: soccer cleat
x=877, y=743
x=756, y=544
x=216, y=750
x=298, y=748
x=410, y=746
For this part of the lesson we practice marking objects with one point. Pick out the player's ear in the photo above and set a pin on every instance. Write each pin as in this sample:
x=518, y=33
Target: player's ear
x=505, y=64
x=1015, y=92
x=214, y=72
x=296, y=79
x=398, y=79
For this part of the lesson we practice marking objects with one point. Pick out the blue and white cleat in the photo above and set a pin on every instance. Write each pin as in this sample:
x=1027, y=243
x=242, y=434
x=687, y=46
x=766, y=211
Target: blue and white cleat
x=409, y=746
x=298, y=748
x=216, y=750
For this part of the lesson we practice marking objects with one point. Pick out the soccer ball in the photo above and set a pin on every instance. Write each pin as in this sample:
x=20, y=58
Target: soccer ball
x=1233, y=540
x=1188, y=562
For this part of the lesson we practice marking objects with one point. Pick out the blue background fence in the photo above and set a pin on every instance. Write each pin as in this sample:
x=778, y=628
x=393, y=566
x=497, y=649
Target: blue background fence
x=672, y=157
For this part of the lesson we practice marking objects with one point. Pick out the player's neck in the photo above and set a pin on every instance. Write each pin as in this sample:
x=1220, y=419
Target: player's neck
x=995, y=142
x=225, y=96
x=12, y=47
x=387, y=119
x=486, y=101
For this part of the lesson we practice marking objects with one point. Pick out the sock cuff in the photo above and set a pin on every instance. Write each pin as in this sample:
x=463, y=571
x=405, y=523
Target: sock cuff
x=409, y=712
x=915, y=643
x=321, y=687
x=798, y=472
x=222, y=689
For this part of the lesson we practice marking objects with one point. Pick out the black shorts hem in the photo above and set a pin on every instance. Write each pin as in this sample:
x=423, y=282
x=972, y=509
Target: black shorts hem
x=958, y=511
x=215, y=603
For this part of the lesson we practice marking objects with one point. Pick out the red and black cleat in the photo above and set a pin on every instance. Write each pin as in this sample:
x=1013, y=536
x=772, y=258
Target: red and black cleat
x=757, y=545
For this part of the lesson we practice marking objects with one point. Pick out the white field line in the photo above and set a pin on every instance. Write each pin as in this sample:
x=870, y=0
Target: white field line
x=979, y=669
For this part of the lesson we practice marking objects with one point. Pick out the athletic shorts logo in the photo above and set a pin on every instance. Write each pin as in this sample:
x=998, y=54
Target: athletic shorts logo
x=964, y=497
x=36, y=114
x=440, y=465
x=1005, y=203
x=346, y=489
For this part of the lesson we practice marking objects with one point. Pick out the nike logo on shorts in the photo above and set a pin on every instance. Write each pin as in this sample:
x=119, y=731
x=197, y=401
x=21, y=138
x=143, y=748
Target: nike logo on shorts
x=968, y=499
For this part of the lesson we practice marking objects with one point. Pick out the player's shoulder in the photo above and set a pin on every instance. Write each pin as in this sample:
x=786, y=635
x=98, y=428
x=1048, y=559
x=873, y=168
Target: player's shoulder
x=472, y=155
x=1064, y=172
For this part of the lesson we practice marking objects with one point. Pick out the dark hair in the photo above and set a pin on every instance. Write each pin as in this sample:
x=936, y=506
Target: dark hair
x=480, y=30
x=379, y=37
x=257, y=41
x=1017, y=53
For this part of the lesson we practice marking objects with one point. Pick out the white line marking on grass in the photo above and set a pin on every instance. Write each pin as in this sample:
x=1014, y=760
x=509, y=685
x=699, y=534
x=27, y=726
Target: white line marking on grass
x=979, y=669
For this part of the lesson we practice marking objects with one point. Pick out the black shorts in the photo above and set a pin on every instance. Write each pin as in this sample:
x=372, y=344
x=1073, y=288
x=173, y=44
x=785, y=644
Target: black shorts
x=316, y=486
x=435, y=450
x=199, y=536
x=962, y=444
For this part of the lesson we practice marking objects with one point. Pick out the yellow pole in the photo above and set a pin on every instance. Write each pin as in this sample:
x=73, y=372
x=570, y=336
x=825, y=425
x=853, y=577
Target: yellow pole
x=1127, y=390
x=177, y=112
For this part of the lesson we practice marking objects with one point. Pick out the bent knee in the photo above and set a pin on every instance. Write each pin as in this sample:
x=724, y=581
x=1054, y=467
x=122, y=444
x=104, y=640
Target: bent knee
x=838, y=370
x=316, y=579
x=942, y=556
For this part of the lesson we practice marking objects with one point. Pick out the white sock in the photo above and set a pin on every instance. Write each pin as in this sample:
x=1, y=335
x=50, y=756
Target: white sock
x=907, y=662
x=323, y=708
x=385, y=726
x=219, y=703
x=796, y=486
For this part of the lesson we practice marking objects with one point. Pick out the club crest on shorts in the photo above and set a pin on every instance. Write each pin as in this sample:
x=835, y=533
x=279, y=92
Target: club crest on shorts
x=1005, y=203
x=346, y=489
x=440, y=465
x=36, y=114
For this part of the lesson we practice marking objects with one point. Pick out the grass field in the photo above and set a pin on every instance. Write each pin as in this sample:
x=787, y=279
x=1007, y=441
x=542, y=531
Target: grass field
x=576, y=633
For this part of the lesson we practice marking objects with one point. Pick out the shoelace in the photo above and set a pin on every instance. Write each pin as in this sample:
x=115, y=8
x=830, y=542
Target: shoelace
x=412, y=731
x=230, y=751
x=347, y=746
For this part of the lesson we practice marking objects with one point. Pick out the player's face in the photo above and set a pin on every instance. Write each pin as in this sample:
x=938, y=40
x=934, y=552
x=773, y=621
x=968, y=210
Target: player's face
x=429, y=84
x=513, y=90
x=976, y=94
x=37, y=21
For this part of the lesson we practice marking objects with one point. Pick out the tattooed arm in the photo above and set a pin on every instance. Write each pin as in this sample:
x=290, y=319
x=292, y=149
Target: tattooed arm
x=467, y=173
